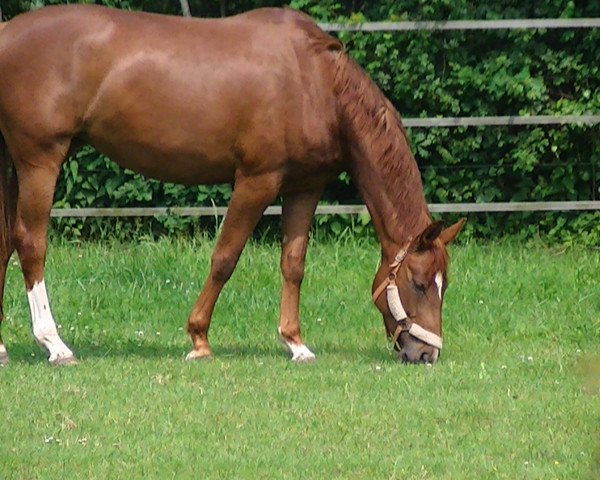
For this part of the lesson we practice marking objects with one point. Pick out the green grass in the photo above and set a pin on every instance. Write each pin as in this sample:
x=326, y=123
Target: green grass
x=510, y=397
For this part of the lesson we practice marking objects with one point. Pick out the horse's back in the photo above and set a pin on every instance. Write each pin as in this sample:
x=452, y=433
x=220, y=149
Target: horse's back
x=178, y=99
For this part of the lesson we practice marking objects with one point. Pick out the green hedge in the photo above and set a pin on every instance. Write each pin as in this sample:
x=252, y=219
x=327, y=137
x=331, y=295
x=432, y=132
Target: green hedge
x=451, y=73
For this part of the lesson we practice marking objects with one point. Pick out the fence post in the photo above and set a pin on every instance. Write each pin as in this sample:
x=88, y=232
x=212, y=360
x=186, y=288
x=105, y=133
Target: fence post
x=185, y=8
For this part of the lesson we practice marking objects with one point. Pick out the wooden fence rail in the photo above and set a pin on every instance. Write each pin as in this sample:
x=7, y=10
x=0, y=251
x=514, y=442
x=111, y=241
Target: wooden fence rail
x=434, y=122
x=407, y=26
x=327, y=209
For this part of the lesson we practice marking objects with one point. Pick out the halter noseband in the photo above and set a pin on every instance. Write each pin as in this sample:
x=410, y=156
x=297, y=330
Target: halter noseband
x=403, y=321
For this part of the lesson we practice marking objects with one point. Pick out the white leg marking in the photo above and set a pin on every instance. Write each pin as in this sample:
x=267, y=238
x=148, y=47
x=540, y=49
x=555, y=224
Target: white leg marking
x=300, y=353
x=3, y=355
x=439, y=279
x=44, y=328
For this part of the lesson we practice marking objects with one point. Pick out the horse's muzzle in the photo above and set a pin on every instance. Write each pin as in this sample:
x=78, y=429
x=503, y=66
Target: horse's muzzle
x=413, y=350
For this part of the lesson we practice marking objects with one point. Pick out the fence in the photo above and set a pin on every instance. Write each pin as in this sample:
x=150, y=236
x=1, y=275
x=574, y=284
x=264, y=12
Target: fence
x=433, y=122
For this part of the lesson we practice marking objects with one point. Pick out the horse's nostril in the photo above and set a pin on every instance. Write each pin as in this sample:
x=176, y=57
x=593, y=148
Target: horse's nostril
x=425, y=356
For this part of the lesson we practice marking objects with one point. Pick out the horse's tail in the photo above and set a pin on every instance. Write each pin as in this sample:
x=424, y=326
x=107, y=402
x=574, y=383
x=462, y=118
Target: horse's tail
x=7, y=181
x=6, y=186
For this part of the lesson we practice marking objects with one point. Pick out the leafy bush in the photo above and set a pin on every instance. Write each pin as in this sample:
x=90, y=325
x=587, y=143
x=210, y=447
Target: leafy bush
x=451, y=73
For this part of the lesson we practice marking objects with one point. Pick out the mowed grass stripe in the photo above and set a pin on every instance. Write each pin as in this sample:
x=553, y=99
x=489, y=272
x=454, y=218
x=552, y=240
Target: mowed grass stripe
x=507, y=400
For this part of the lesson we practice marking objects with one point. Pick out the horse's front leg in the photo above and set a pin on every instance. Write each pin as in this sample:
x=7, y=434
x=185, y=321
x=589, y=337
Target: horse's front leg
x=250, y=198
x=297, y=215
x=36, y=180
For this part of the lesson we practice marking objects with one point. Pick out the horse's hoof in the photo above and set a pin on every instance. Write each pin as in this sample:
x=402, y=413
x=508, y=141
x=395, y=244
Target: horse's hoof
x=63, y=361
x=199, y=355
x=304, y=356
x=300, y=353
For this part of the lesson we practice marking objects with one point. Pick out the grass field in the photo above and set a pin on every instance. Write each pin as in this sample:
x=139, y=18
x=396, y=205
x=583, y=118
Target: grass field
x=514, y=396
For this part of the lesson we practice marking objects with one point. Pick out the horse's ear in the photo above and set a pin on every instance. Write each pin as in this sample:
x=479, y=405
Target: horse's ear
x=449, y=234
x=425, y=240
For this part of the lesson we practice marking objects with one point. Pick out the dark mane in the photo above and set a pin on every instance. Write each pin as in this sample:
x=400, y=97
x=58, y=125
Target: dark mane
x=372, y=121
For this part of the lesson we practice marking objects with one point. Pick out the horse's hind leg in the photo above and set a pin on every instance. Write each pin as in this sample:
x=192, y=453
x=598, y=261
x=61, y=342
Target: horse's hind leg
x=297, y=215
x=37, y=174
x=251, y=195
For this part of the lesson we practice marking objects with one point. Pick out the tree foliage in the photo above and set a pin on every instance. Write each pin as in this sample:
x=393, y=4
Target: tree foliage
x=425, y=74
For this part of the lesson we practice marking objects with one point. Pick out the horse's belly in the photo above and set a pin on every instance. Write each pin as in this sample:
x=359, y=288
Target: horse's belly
x=178, y=165
x=163, y=138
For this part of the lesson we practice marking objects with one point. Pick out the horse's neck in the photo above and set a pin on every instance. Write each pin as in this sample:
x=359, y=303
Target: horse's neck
x=380, y=159
x=394, y=198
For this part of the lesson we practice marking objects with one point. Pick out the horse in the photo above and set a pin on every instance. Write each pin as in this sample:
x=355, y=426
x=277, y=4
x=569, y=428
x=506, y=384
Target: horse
x=264, y=100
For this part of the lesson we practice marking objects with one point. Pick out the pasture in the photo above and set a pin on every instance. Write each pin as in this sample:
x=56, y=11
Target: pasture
x=514, y=395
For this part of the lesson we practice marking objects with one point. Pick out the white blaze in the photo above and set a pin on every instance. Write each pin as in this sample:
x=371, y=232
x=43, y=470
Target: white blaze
x=439, y=279
x=44, y=327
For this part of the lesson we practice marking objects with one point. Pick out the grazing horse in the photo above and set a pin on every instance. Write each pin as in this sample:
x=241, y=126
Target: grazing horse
x=265, y=100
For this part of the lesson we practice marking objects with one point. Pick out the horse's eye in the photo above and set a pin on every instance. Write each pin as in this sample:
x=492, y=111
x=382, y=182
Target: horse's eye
x=419, y=287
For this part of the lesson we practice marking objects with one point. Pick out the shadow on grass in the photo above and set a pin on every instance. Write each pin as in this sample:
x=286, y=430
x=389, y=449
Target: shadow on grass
x=30, y=353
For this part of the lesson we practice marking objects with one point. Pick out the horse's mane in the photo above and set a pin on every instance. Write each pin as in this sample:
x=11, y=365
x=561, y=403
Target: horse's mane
x=372, y=121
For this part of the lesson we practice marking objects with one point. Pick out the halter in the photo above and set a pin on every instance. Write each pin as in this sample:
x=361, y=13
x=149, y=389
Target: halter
x=403, y=321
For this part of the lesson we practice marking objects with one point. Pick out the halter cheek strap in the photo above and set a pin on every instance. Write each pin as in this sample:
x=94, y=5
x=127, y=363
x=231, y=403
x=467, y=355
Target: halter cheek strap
x=404, y=323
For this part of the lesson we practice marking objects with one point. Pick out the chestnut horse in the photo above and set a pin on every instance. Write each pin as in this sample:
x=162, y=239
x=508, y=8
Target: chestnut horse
x=265, y=100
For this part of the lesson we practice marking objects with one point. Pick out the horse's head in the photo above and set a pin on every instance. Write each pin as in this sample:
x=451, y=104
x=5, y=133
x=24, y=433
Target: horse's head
x=410, y=291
